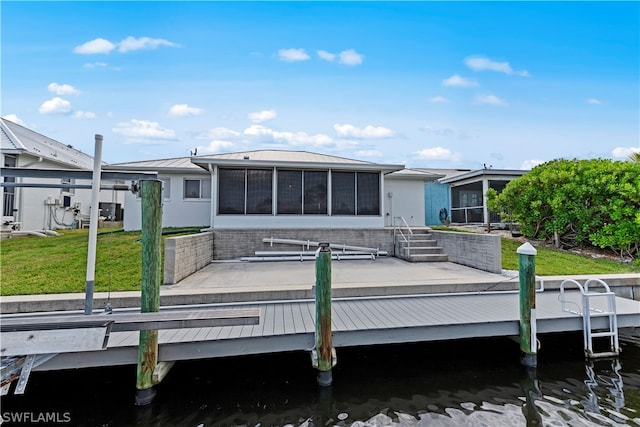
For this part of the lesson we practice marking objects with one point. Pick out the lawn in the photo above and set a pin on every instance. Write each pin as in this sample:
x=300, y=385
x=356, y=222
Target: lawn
x=34, y=265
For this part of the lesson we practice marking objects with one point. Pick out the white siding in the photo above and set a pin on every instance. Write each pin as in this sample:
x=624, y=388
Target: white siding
x=407, y=201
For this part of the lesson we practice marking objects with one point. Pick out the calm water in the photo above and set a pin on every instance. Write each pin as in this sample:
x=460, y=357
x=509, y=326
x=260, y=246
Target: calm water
x=470, y=383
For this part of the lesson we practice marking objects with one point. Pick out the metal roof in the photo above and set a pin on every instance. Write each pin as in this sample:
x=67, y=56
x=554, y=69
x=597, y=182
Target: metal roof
x=288, y=158
x=18, y=139
x=485, y=172
x=176, y=163
x=416, y=174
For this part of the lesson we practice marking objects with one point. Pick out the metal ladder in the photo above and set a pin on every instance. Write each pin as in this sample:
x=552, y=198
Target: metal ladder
x=588, y=312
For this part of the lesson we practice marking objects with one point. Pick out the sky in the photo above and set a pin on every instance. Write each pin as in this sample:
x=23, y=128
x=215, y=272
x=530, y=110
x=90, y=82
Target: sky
x=507, y=85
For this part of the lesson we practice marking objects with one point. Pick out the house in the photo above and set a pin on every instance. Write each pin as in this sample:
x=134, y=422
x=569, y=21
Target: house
x=31, y=208
x=460, y=195
x=186, y=193
x=280, y=189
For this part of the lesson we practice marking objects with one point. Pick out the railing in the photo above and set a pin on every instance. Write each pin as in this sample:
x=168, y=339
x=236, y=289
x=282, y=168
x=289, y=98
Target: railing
x=397, y=229
x=467, y=214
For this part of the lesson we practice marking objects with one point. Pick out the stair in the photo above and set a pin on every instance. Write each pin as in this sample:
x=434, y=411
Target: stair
x=419, y=247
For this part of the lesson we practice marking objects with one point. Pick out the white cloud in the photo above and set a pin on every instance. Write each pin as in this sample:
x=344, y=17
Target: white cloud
x=215, y=146
x=624, y=152
x=350, y=131
x=530, y=164
x=182, y=110
x=129, y=44
x=262, y=116
x=491, y=100
x=457, y=81
x=143, y=43
x=327, y=56
x=63, y=89
x=369, y=153
x=437, y=153
x=98, y=45
x=84, y=115
x=292, y=55
x=293, y=138
x=55, y=105
x=220, y=133
x=141, y=131
x=15, y=119
x=593, y=101
x=481, y=63
x=92, y=65
x=439, y=100
x=350, y=57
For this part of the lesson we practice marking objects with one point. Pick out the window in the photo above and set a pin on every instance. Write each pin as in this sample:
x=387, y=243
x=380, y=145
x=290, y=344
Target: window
x=68, y=181
x=197, y=189
x=315, y=192
x=368, y=193
x=343, y=193
x=245, y=191
x=355, y=193
x=289, y=192
x=302, y=192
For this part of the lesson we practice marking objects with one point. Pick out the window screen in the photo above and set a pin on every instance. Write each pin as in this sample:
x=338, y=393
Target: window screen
x=368, y=193
x=343, y=193
x=259, y=191
x=191, y=188
x=289, y=192
x=231, y=191
x=315, y=192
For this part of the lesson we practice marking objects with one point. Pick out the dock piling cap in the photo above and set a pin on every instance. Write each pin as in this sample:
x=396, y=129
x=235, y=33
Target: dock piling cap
x=527, y=249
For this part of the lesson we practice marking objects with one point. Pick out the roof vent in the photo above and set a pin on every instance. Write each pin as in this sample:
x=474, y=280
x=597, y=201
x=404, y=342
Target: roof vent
x=246, y=157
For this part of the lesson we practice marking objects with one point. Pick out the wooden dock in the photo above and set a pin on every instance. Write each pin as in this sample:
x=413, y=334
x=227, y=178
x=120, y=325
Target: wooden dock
x=289, y=326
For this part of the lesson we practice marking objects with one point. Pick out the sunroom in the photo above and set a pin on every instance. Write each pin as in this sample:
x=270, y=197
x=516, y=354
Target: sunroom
x=294, y=189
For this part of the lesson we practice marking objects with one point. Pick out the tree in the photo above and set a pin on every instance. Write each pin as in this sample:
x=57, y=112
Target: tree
x=635, y=157
x=577, y=202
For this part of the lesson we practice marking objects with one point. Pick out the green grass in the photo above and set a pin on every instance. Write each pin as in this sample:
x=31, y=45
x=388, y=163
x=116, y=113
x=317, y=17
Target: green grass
x=34, y=265
x=550, y=262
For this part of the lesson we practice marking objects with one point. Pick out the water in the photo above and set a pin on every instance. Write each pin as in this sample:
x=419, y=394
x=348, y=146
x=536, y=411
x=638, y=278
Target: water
x=469, y=383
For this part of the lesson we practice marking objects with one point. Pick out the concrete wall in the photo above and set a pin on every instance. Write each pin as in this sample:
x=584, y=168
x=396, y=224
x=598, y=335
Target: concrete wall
x=481, y=251
x=184, y=255
x=236, y=243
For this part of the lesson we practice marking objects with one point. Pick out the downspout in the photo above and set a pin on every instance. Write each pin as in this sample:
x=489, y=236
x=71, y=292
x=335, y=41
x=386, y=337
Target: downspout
x=214, y=190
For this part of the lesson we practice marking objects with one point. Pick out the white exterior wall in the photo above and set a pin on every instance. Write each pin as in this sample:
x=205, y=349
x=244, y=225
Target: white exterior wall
x=407, y=201
x=34, y=214
x=176, y=211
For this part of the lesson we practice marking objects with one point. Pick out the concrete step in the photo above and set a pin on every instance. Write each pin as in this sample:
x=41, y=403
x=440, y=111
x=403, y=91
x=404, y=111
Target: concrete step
x=419, y=250
x=418, y=243
x=428, y=258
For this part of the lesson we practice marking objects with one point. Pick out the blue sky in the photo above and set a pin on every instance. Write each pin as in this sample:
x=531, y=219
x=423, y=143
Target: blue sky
x=425, y=84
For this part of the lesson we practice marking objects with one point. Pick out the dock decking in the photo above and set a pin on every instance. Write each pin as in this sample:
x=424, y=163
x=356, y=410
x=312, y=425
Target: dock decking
x=289, y=326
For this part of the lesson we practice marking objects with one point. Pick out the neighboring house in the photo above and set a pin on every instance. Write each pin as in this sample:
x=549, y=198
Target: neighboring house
x=186, y=193
x=45, y=208
x=462, y=194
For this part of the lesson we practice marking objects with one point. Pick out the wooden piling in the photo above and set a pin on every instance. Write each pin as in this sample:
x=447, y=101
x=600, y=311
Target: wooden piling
x=150, y=192
x=323, y=353
x=527, y=278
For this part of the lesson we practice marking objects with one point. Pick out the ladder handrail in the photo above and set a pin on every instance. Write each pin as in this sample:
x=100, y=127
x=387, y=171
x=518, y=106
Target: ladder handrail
x=587, y=311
